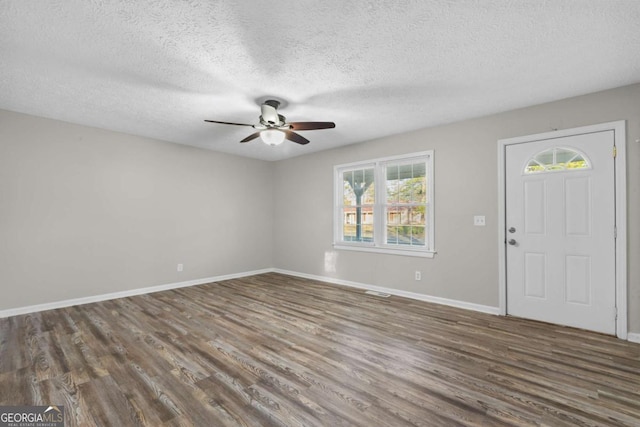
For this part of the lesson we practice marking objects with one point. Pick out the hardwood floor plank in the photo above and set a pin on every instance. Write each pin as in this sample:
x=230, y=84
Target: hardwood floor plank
x=18, y=386
x=14, y=348
x=234, y=401
x=66, y=392
x=276, y=350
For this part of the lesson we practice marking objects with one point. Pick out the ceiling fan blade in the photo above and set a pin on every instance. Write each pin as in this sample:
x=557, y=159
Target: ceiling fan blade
x=311, y=125
x=269, y=110
x=228, y=123
x=251, y=137
x=292, y=136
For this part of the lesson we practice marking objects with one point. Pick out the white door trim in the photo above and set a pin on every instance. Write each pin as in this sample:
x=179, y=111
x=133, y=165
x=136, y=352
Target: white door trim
x=620, y=141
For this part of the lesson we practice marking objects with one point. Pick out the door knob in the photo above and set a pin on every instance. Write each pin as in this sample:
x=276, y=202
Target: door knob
x=512, y=230
x=512, y=242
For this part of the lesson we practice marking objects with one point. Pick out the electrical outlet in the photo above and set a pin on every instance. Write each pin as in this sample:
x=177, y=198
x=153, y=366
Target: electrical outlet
x=180, y=267
x=479, y=221
x=418, y=275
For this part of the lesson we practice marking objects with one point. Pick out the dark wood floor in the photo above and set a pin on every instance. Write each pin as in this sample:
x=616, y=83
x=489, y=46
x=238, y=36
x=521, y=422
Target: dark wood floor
x=278, y=350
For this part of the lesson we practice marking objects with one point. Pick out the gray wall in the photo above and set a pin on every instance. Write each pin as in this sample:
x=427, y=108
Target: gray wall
x=466, y=266
x=85, y=212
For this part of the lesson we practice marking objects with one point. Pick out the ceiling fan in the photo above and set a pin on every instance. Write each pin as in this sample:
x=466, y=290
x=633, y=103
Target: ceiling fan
x=274, y=128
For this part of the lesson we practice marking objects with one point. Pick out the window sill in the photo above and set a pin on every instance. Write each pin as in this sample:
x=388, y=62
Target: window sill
x=388, y=251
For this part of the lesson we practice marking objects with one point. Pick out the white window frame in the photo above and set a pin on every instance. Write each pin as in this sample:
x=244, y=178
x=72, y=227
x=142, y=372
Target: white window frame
x=379, y=244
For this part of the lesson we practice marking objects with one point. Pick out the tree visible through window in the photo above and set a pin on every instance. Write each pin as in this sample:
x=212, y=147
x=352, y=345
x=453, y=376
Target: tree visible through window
x=406, y=186
x=384, y=204
x=358, y=200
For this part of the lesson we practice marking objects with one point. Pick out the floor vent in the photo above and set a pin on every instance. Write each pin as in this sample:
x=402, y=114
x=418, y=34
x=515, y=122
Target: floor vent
x=378, y=294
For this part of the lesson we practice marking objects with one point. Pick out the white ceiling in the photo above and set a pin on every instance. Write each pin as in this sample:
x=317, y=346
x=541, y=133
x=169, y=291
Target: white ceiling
x=158, y=68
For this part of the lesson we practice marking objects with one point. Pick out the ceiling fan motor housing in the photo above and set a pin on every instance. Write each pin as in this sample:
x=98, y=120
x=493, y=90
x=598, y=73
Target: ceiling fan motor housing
x=272, y=103
x=269, y=110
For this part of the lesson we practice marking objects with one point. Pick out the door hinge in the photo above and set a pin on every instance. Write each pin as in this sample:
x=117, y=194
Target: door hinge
x=615, y=151
x=615, y=313
x=615, y=232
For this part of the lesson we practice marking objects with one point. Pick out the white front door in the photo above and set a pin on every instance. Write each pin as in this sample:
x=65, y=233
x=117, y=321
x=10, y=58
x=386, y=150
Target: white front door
x=560, y=221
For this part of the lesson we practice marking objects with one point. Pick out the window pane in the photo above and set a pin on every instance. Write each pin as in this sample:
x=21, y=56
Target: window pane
x=404, y=235
x=357, y=224
x=545, y=158
x=418, y=190
x=419, y=169
x=417, y=236
x=405, y=171
x=404, y=191
x=556, y=159
x=392, y=235
x=403, y=214
x=392, y=184
x=419, y=183
x=411, y=236
x=533, y=167
x=358, y=187
x=367, y=233
x=577, y=163
x=563, y=155
x=405, y=176
x=349, y=233
x=406, y=204
x=406, y=225
x=368, y=198
x=393, y=215
x=349, y=223
x=416, y=215
x=392, y=172
x=406, y=183
x=349, y=197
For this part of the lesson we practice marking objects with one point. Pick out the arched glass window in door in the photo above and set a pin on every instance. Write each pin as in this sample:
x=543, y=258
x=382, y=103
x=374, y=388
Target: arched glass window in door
x=557, y=159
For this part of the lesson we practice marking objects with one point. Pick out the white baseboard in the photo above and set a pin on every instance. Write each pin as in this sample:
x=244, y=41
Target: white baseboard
x=632, y=337
x=421, y=297
x=123, y=294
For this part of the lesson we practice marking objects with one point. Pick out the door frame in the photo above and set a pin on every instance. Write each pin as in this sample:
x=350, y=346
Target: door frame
x=620, y=183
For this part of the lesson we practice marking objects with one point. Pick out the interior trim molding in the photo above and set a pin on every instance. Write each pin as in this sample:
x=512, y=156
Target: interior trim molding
x=123, y=294
x=413, y=295
x=633, y=337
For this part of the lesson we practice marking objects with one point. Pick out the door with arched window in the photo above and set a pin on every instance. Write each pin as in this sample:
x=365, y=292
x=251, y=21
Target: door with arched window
x=560, y=220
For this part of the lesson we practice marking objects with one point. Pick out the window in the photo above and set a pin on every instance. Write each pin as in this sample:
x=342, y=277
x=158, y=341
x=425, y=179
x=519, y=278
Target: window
x=557, y=159
x=385, y=205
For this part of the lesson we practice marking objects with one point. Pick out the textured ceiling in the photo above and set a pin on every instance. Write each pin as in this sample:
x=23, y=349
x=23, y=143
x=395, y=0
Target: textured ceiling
x=159, y=68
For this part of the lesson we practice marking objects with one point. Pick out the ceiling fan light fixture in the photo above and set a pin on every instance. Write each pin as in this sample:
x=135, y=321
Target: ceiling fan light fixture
x=272, y=137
